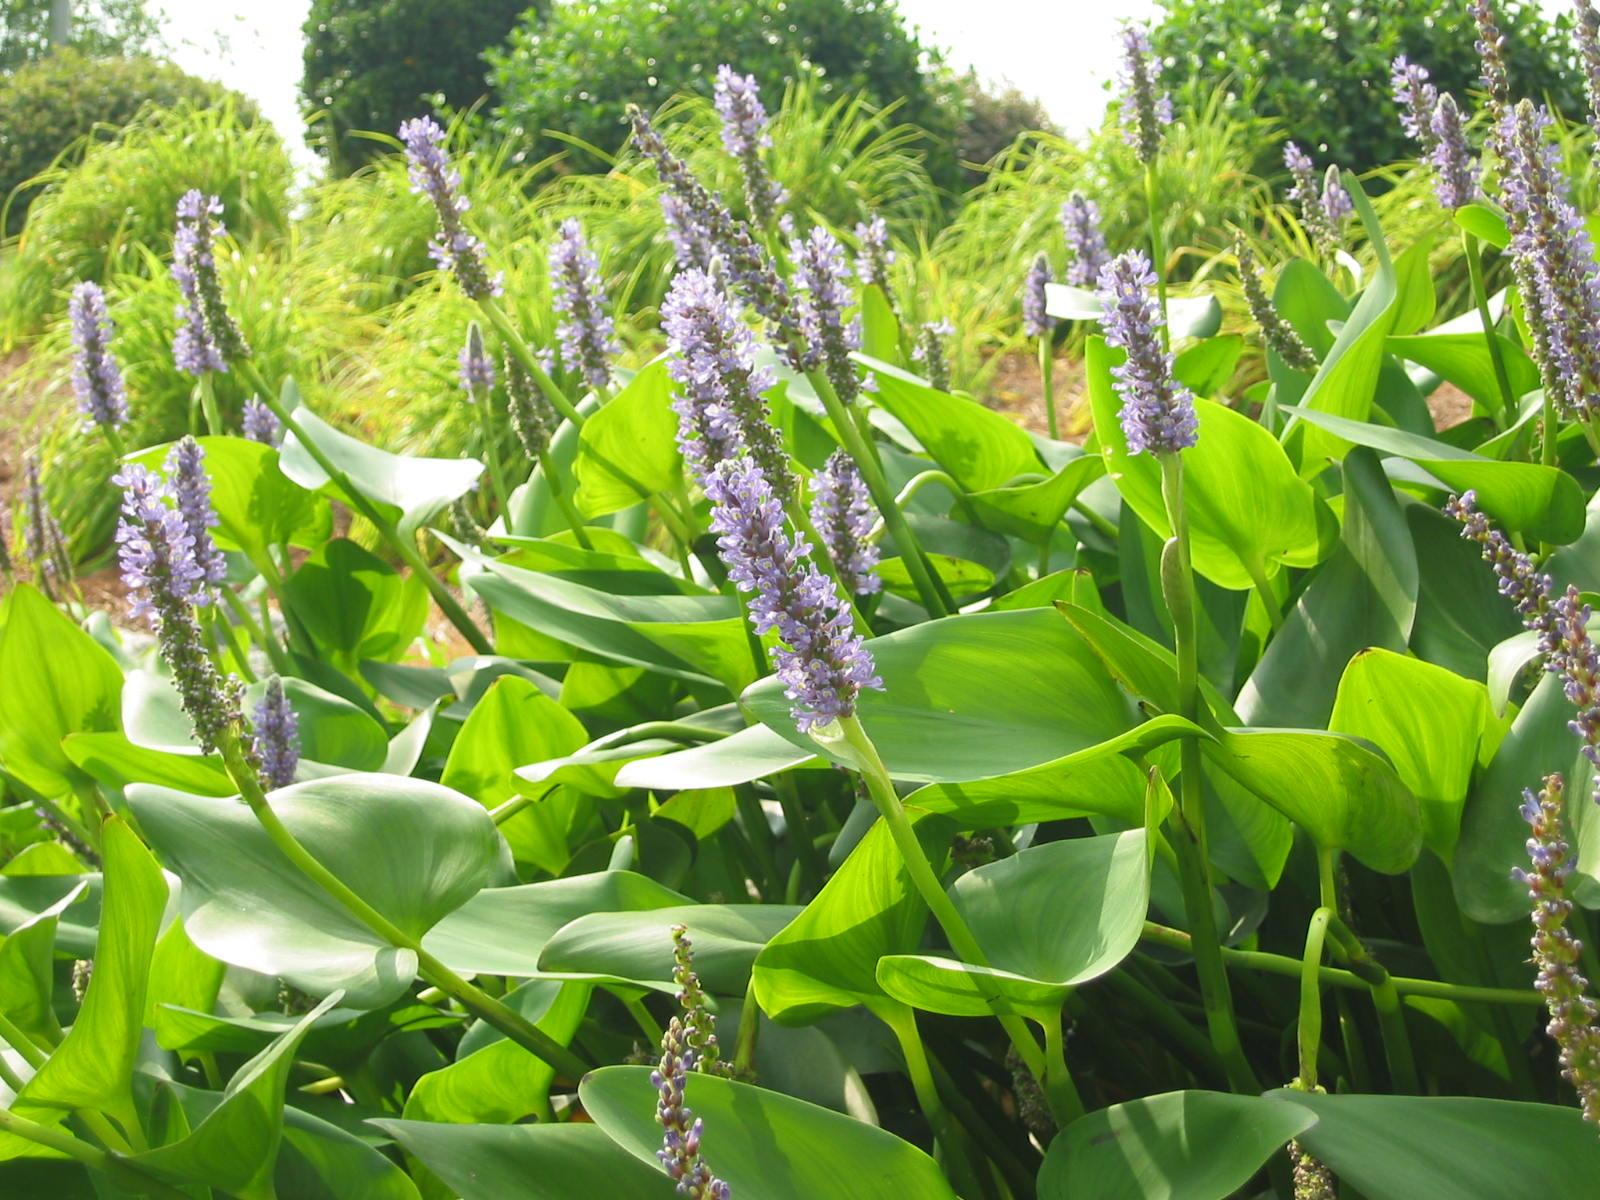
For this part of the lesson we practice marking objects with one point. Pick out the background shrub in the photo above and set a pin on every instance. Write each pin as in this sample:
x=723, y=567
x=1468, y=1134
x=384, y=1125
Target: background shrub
x=992, y=119
x=50, y=106
x=1321, y=67
x=575, y=72
x=99, y=27
x=369, y=63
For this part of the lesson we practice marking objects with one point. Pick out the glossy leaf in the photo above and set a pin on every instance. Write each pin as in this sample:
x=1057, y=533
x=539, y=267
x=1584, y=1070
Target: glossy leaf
x=628, y=449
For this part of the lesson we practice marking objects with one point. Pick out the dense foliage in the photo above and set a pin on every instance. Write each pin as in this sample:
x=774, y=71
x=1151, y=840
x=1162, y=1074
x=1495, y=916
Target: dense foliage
x=569, y=76
x=48, y=107
x=370, y=65
x=1319, y=66
x=98, y=28
x=756, y=768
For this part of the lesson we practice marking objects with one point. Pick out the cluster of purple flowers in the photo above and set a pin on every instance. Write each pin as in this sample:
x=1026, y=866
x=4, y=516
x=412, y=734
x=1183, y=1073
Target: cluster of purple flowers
x=1587, y=31
x=578, y=294
x=191, y=490
x=275, y=745
x=1157, y=411
x=1144, y=112
x=453, y=249
x=1080, y=222
x=822, y=280
x=873, y=257
x=842, y=512
x=745, y=136
x=260, y=423
x=1491, y=45
x=688, y=1045
x=1556, y=952
x=823, y=663
x=1434, y=122
x=1036, y=319
x=721, y=409
x=1553, y=257
x=96, y=377
x=1323, y=207
x=1278, y=334
x=208, y=338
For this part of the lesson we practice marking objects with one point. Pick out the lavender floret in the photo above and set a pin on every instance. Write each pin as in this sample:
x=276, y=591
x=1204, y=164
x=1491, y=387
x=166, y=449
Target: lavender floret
x=1417, y=98
x=191, y=489
x=1036, y=320
x=453, y=249
x=208, y=337
x=1157, y=411
x=1455, y=170
x=822, y=662
x=578, y=294
x=1144, y=113
x=1080, y=222
x=929, y=351
x=475, y=367
x=822, y=281
x=1317, y=209
x=96, y=377
x=261, y=424
x=276, y=743
x=842, y=512
x=745, y=136
x=873, y=256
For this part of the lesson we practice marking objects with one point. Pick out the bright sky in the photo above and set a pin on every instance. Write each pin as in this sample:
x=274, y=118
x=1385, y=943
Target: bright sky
x=255, y=47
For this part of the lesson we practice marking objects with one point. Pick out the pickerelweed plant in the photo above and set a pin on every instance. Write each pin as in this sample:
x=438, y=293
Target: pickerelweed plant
x=771, y=773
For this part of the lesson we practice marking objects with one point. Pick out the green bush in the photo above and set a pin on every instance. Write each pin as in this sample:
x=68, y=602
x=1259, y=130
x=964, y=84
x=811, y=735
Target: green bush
x=1321, y=67
x=105, y=27
x=571, y=76
x=51, y=105
x=993, y=119
x=368, y=66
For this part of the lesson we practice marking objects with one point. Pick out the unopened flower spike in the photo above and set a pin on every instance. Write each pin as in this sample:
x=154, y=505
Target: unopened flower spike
x=260, y=423
x=822, y=280
x=1157, y=411
x=719, y=398
x=475, y=367
x=929, y=351
x=822, y=662
x=1556, y=952
x=453, y=249
x=1036, y=320
x=578, y=294
x=1080, y=223
x=1277, y=333
x=1492, y=63
x=699, y=1022
x=276, y=741
x=1319, y=206
x=208, y=338
x=526, y=408
x=96, y=377
x=842, y=512
x=745, y=136
x=156, y=552
x=1145, y=112
x=45, y=544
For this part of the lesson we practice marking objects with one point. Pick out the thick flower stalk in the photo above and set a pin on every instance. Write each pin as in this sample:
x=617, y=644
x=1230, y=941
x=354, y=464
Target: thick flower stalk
x=822, y=662
x=873, y=255
x=1036, y=320
x=929, y=351
x=1278, y=334
x=720, y=402
x=1157, y=411
x=156, y=551
x=842, y=512
x=96, y=377
x=1317, y=210
x=275, y=744
x=208, y=338
x=822, y=279
x=579, y=295
x=1417, y=98
x=1556, y=952
x=745, y=136
x=1553, y=257
x=530, y=420
x=452, y=249
x=1080, y=222
x=191, y=489
x=681, y=1130
x=1144, y=111
x=45, y=544
x=260, y=423
x=1455, y=170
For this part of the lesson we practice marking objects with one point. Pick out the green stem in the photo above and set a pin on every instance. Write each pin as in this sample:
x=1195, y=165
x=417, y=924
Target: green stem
x=1177, y=582
x=509, y=1022
x=646, y=1023
x=1047, y=384
x=497, y=467
x=1386, y=1000
x=258, y=634
x=1548, y=431
x=1062, y=1093
x=1158, y=252
x=1480, y=297
x=866, y=461
x=208, y=404
x=114, y=440
x=1310, y=1029
x=1269, y=600
x=512, y=337
x=744, y=1045
x=55, y=1138
x=563, y=499
x=958, y=1153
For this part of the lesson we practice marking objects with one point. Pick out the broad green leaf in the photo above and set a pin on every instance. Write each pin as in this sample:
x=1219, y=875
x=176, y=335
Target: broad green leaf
x=27, y=970
x=766, y=1144
x=1434, y=726
x=1415, y=301
x=1484, y=223
x=58, y=680
x=628, y=449
x=753, y=753
x=1247, y=508
x=827, y=958
x=973, y=696
x=637, y=947
x=181, y=976
x=1087, y=899
x=24, y=897
x=114, y=762
x=1305, y=298
x=513, y=724
x=236, y=1146
x=413, y=850
x=880, y=330
x=1033, y=510
x=1448, y=1147
x=408, y=491
x=532, y=1162
x=1544, y=501
x=331, y=729
x=1176, y=1146
x=1463, y=359
x=1187, y=316
x=355, y=605
x=1207, y=366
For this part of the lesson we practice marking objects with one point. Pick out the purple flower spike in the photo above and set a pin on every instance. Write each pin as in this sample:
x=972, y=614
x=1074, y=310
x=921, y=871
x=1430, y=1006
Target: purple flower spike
x=1491, y=53
x=96, y=378
x=1456, y=172
x=1417, y=99
x=929, y=351
x=1556, y=952
x=1157, y=411
x=1336, y=202
x=874, y=257
x=261, y=424
x=1036, y=320
x=745, y=136
x=156, y=552
x=1321, y=208
x=1587, y=31
x=822, y=276
x=276, y=744
x=579, y=295
x=691, y=240
x=453, y=249
x=476, y=374
x=1080, y=222
x=841, y=510
x=681, y=1130
x=191, y=488
x=1144, y=113
x=823, y=663
x=207, y=338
